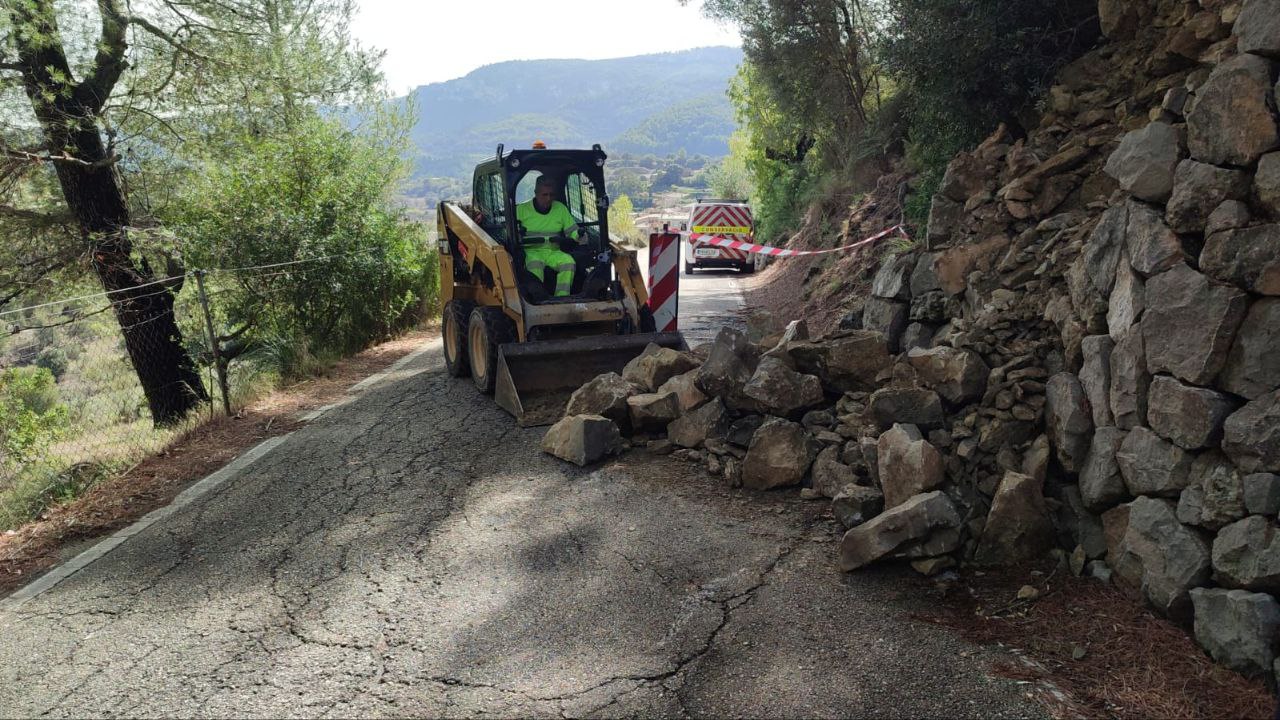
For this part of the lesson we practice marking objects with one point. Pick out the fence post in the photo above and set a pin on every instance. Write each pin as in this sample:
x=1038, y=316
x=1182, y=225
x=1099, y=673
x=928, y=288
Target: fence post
x=213, y=344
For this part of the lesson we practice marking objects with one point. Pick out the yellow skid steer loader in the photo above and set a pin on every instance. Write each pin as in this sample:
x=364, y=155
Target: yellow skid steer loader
x=504, y=323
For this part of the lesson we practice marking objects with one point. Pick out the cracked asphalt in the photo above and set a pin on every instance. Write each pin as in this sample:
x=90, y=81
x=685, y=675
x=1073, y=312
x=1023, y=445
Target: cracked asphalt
x=412, y=553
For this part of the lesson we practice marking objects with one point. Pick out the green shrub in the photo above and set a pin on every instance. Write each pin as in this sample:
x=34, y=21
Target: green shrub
x=55, y=360
x=31, y=418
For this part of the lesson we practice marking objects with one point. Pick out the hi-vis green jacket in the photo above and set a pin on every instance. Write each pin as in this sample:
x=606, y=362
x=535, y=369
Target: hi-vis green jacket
x=552, y=222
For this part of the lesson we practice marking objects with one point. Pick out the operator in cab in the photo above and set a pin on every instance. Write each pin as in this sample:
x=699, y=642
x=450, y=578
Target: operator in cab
x=544, y=219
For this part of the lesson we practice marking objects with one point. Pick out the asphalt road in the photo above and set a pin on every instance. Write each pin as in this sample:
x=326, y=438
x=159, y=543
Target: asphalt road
x=413, y=553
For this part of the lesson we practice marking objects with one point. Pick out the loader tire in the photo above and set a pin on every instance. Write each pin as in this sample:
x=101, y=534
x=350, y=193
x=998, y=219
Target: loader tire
x=647, y=323
x=488, y=329
x=457, y=314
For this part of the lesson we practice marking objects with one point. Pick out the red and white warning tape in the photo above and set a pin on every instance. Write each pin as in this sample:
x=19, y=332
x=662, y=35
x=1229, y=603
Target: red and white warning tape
x=721, y=241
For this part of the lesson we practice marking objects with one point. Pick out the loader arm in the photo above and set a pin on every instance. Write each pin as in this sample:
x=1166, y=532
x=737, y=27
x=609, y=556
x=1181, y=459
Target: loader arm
x=492, y=279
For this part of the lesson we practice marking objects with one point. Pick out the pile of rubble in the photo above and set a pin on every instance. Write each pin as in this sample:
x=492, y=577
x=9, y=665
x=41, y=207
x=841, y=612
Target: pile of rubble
x=1083, y=353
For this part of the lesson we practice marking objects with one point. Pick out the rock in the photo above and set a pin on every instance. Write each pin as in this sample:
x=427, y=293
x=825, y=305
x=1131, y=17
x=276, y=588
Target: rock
x=934, y=306
x=796, y=331
x=1115, y=523
x=1102, y=252
x=653, y=411
x=1251, y=436
x=917, y=335
x=1084, y=527
x=1035, y=462
x=924, y=277
x=1257, y=31
x=1018, y=527
x=1248, y=257
x=1237, y=628
x=912, y=521
x=733, y=472
x=944, y=216
x=1231, y=122
x=1099, y=570
x=1253, y=365
x=582, y=439
x=1069, y=420
x=1266, y=188
x=605, y=395
x=818, y=419
x=656, y=365
x=1101, y=483
x=893, y=280
x=1144, y=163
x=932, y=566
x=780, y=454
x=762, y=324
x=1262, y=493
x=960, y=376
x=1151, y=466
x=1189, y=324
x=692, y=429
x=1118, y=18
x=887, y=318
x=909, y=406
x=1190, y=505
x=776, y=389
x=999, y=433
x=1161, y=557
x=1129, y=380
x=1191, y=417
x=847, y=363
x=1151, y=246
x=870, y=456
x=965, y=177
x=856, y=504
x=1246, y=554
x=830, y=476
x=1095, y=377
x=729, y=365
x=686, y=389
x=908, y=464
x=743, y=429
x=953, y=265
x=1127, y=301
x=1221, y=491
x=1230, y=215
x=1198, y=190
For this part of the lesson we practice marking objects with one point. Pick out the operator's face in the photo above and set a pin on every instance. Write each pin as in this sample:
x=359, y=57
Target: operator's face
x=542, y=198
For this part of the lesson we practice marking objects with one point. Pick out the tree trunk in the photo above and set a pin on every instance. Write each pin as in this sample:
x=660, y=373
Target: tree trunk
x=68, y=117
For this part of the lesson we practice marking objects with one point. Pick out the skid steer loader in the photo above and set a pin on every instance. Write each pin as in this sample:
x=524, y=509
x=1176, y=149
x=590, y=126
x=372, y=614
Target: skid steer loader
x=503, y=325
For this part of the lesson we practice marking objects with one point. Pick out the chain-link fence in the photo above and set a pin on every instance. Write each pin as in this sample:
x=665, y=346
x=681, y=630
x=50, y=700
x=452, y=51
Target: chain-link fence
x=72, y=407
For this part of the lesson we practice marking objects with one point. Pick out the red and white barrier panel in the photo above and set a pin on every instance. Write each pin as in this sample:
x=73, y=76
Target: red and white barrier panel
x=720, y=241
x=664, y=279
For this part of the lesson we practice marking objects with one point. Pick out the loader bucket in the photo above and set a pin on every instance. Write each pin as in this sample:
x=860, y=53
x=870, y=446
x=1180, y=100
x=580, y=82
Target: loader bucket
x=535, y=379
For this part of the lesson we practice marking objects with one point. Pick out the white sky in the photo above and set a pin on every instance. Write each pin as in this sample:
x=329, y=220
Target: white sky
x=434, y=40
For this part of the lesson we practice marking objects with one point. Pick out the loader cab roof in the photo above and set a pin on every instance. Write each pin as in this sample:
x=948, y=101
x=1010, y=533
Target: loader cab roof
x=515, y=164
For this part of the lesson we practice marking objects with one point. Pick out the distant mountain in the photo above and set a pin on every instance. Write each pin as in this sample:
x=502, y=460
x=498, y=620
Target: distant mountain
x=657, y=104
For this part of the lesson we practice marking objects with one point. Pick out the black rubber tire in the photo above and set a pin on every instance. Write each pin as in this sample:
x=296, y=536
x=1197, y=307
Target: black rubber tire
x=488, y=329
x=647, y=323
x=688, y=269
x=747, y=267
x=456, y=316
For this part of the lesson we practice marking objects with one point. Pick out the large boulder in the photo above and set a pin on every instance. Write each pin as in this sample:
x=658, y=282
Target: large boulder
x=959, y=376
x=686, y=389
x=1232, y=122
x=1251, y=436
x=604, y=395
x=1246, y=554
x=1018, y=528
x=830, y=476
x=1262, y=493
x=1102, y=252
x=582, y=439
x=1198, y=189
x=1144, y=163
x=691, y=430
x=1069, y=420
x=1190, y=324
x=656, y=365
x=924, y=277
x=1161, y=557
x=856, y=504
x=1151, y=246
x=779, y=456
x=1128, y=300
x=848, y=362
x=1247, y=257
x=1190, y=417
x=1130, y=380
x=1152, y=466
x=1101, y=483
x=908, y=464
x=888, y=318
x=653, y=411
x=912, y=521
x=1253, y=365
x=893, y=280
x=1257, y=29
x=906, y=405
x=776, y=389
x=1266, y=186
x=1095, y=377
x=1218, y=491
x=1238, y=628
x=729, y=365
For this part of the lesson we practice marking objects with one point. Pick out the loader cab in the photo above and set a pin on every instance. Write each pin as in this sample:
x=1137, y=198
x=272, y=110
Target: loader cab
x=508, y=179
